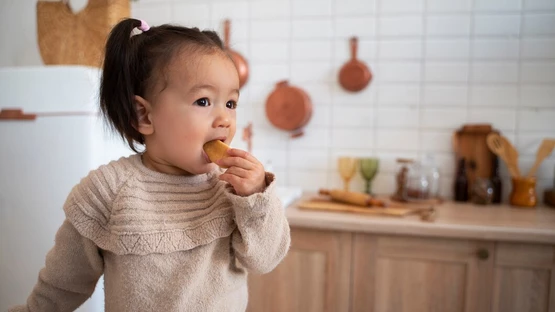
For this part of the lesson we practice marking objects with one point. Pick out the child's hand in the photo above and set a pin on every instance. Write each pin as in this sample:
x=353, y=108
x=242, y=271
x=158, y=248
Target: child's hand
x=245, y=173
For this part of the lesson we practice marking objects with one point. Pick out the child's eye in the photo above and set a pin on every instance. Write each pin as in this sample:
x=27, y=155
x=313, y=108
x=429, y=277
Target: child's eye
x=231, y=104
x=202, y=102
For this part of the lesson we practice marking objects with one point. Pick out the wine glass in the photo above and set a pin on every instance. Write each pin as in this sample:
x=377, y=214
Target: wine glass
x=368, y=170
x=347, y=167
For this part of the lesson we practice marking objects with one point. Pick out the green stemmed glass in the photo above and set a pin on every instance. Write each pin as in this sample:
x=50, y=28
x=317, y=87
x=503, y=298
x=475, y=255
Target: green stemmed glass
x=368, y=170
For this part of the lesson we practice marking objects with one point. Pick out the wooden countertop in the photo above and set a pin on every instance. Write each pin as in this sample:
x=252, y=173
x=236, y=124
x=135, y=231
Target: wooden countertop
x=453, y=220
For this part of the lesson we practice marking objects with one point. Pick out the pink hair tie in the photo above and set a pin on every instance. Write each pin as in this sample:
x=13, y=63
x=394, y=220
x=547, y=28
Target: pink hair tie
x=144, y=26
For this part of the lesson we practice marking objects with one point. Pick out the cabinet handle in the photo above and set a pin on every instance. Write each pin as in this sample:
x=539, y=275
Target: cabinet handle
x=483, y=254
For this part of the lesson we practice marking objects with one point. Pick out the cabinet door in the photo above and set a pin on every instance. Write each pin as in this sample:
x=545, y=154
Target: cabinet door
x=314, y=276
x=408, y=274
x=524, y=278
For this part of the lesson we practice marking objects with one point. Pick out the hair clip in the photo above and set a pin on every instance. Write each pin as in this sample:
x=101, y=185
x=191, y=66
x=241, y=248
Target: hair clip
x=144, y=26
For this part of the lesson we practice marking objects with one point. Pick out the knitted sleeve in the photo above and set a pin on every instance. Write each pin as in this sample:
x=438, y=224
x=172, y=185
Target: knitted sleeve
x=262, y=237
x=72, y=268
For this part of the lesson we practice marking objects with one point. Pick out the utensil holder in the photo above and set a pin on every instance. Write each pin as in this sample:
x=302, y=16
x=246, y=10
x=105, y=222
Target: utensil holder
x=523, y=193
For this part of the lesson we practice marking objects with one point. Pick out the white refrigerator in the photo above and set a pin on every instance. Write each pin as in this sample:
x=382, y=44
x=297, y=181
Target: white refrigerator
x=40, y=161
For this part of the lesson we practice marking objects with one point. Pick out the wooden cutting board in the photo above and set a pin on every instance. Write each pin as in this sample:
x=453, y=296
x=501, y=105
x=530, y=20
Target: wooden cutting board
x=328, y=205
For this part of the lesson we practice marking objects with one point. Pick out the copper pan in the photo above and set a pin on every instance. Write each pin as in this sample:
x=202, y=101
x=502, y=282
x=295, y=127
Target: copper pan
x=354, y=75
x=240, y=62
x=289, y=108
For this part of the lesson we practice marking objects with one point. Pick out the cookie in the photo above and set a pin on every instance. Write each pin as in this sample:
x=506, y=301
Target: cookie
x=216, y=150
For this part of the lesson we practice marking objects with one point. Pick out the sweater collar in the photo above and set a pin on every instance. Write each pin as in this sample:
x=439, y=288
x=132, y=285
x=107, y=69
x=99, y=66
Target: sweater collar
x=173, y=179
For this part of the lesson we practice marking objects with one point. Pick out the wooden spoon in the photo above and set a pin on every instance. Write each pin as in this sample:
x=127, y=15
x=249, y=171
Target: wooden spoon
x=512, y=155
x=543, y=151
x=496, y=145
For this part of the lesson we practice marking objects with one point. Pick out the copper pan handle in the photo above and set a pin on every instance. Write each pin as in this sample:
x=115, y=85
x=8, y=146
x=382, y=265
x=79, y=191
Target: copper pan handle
x=297, y=133
x=354, y=47
x=227, y=27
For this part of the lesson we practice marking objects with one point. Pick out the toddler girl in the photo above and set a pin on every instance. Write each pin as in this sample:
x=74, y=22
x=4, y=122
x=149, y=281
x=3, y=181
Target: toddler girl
x=169, y=230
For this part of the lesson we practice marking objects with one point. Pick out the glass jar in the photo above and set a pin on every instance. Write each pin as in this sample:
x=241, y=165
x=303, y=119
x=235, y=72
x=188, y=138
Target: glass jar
x=401, y=177
x=418, y=186
x=482, y=191
x=432, y=172
x=423, y=180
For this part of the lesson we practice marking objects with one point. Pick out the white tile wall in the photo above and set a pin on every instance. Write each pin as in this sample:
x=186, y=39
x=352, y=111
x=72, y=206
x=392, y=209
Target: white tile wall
x=539, y=5
x=436, y=64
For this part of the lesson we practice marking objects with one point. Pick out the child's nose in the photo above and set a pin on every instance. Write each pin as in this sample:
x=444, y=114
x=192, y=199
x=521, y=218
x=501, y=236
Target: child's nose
x=222, y=118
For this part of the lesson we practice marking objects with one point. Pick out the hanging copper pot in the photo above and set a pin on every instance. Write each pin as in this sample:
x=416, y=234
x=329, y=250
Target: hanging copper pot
x=240, y=62
x=289, y=108
x=354, y=75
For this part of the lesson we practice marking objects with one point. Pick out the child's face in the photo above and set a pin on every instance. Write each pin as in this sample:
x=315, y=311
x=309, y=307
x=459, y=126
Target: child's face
x=198, y=105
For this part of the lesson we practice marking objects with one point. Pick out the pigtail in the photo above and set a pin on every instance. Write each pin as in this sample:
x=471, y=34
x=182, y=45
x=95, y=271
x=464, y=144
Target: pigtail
x=119, y=82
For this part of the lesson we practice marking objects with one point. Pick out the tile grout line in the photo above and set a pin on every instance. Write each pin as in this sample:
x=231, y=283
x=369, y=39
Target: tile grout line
x=375, y=138
x=469, y=82
x=516, y=123
x=420, y=105
x=289, y=69
x=332, y=104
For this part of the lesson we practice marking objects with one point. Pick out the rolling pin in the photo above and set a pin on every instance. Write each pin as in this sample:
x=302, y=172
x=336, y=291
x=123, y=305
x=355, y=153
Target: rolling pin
x=355, y=198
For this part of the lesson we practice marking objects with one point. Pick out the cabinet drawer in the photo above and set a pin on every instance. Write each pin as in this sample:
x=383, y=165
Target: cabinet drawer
x=410, y=274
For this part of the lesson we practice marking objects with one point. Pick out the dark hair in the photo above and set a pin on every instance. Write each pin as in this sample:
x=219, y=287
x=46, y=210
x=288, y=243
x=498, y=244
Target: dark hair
x=134, y=63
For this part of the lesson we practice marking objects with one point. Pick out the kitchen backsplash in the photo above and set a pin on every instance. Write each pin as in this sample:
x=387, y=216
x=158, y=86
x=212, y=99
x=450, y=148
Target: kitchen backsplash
x=437, y=64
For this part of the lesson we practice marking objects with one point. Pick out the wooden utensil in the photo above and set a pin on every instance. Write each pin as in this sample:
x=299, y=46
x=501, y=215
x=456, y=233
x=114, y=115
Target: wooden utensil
x=543, y=151
x=354, y=198
x=512, y=154
x=240, y=62
x=333, y=206
x=354, y=75
x=496, y=145
x=65, y=37
x=326, y=205
x=289, y=108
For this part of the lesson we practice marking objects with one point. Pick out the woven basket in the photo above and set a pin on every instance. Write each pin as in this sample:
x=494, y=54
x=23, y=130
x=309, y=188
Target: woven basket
x=65, y=37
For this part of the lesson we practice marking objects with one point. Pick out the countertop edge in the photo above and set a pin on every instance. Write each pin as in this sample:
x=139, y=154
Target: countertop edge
x=501, y=234
x=454, y=221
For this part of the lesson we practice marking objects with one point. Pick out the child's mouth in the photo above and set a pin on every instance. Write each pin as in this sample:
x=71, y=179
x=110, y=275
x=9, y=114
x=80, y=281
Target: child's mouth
x=205, y=156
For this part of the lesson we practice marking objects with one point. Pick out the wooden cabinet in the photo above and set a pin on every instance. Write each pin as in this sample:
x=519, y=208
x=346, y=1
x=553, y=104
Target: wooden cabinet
x=407, y=274
x=343, y=271
x=314, y=277
x=524, y=278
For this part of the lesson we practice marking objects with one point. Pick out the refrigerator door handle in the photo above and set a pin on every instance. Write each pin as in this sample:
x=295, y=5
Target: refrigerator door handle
x=15, y=114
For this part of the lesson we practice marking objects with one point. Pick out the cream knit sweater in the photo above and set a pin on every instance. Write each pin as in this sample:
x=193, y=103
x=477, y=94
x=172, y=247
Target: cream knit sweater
x=163, y=242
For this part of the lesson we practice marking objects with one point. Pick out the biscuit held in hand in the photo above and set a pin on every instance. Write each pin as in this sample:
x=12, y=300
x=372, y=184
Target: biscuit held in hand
x=216, y=150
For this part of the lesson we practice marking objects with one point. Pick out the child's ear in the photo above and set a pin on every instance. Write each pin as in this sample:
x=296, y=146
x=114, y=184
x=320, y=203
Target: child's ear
x=143, y=109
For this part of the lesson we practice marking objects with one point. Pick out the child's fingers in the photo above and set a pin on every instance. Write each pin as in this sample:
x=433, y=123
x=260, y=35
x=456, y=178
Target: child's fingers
x=230, y=178
x=243, y=154
x=237, y=162
x=240, y=172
